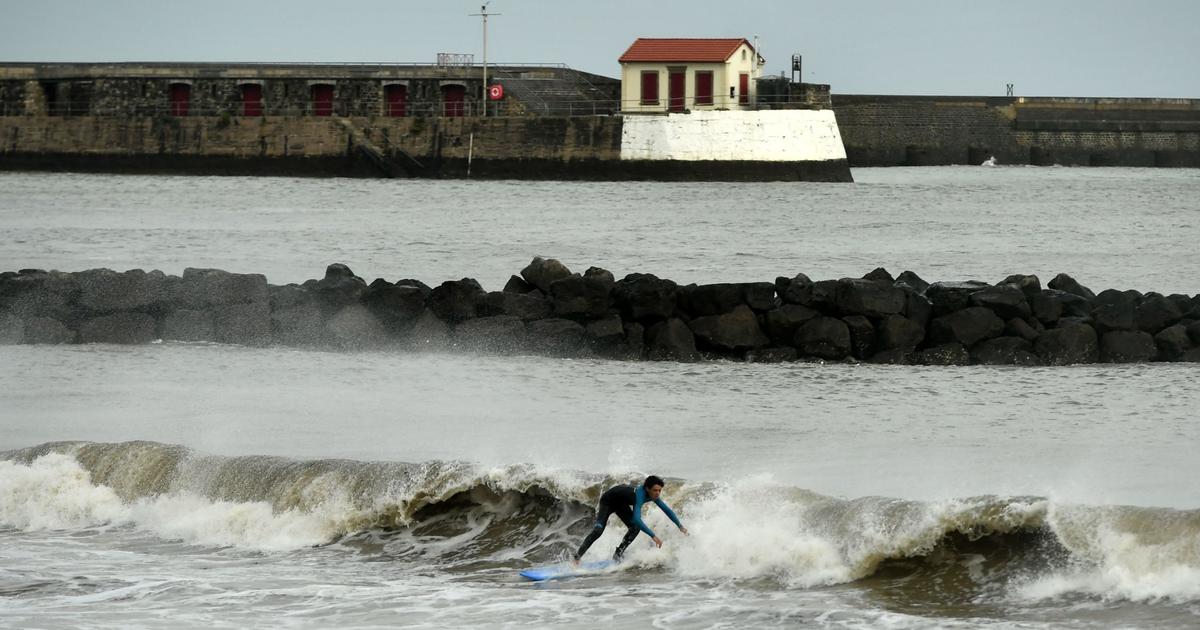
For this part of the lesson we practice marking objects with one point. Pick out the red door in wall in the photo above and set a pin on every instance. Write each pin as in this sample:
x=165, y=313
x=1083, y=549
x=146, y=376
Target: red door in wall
x=396, y=97
x=453, y=97
x=676, y=82
x=180, y=95
x=252, y=99
x=322, y=99
x=744, y=89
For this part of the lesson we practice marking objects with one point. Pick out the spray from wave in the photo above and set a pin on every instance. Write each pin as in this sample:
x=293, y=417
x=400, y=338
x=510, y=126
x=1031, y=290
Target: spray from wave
x=454, y=513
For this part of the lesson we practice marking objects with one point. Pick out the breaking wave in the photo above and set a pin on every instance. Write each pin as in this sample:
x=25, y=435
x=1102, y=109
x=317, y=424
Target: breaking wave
x=459, y=513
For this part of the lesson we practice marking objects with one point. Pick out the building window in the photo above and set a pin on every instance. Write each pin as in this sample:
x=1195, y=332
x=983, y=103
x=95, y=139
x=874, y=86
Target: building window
x=649, y=87
x=704, y=87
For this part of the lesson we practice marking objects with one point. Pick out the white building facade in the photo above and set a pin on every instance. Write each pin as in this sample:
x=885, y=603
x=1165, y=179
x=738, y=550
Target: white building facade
x=686, y=74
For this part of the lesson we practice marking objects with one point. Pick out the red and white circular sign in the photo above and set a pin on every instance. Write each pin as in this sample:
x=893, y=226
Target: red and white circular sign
x=496, y=92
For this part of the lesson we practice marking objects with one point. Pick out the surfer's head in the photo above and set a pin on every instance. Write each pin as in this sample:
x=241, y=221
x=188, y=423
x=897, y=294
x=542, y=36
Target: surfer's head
x=653, y=485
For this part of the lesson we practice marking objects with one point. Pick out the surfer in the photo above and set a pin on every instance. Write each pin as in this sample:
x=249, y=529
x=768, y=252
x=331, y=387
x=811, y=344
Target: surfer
x=626, y=502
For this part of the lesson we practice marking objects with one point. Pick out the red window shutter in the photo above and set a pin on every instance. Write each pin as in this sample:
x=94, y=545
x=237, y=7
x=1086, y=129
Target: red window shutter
x=397, y=100
x=181, y=96
x=322, y=99
x=453, y=97
x=704, y=88
x=252, y=99
x=744, y=89
x=649, y=87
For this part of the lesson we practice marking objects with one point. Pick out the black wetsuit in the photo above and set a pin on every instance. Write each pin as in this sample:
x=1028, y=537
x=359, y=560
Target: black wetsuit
x=626, y=502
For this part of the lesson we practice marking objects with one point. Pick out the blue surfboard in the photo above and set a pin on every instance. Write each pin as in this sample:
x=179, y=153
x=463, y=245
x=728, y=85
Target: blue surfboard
x=565, y=570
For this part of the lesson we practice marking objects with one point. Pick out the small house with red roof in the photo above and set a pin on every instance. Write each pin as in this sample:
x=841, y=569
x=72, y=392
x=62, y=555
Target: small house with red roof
x=681, y=74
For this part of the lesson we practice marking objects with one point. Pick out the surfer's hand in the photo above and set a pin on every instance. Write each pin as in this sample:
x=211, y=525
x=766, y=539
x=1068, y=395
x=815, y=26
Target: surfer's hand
x=684, y=530
x=657, y=541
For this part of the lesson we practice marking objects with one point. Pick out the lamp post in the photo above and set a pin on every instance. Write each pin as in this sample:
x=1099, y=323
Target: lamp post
x=484, y=14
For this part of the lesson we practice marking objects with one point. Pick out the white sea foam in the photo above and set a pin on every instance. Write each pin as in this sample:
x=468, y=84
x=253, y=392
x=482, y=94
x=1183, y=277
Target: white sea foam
x=55, y=492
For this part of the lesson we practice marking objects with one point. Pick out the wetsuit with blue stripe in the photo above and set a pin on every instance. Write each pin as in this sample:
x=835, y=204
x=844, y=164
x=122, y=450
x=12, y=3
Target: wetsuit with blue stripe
x=626, y=502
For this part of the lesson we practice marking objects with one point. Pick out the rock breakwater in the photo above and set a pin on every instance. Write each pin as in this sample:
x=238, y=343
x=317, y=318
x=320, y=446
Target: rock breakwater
x=549, y=310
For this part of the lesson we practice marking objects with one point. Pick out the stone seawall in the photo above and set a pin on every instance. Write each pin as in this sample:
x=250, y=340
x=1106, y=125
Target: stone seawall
x=544, y=147
x=941, y=130
x=549, y=310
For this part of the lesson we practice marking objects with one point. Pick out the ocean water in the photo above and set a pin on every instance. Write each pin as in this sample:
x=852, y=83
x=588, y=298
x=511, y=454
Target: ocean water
x=215, y=486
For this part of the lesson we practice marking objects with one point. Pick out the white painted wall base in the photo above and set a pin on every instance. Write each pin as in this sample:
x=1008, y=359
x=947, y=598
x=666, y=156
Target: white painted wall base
x=790, y=135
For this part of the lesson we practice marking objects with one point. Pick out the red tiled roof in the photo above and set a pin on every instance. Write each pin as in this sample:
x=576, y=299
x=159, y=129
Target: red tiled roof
x=681, y=49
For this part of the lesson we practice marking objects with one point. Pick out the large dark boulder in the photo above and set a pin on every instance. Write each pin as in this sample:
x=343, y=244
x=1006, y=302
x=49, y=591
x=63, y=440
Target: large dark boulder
x=1017, y=327
x=500, y=334
x=517, y=284
x=782, y=323
x=1004, y=300
x=1075, y=343
x=1193, y=331
x=879, y=274
x=1156, y=313
x=46, y=330
x=1114, y=310
x=583, y=297
x=543, y=272
x=300, y=323
x=913, y=281
x=106, y=291
x=824, y=337
x=644, y=297
x=734, y=331
x=1028, y=285
x=797, y=290
x=948, y=297
x=203, y=288
x=126, y=328
x=824, y=297
x=918, y=308
x=245, y=324
x=869, y=297
x=1063, y=282
x=1004, y=351
x=1127, y=346
x=608, y=330
x=968, y=326
x=338, y=289
x=716, y=299
x=528, y=306
x=896, y=331
x=1051, y=305
x=557, y=337
x=1173, y=342
x=33, y=292
x=671, y=340
x=862, y=336
x=952, y=353
x=395, y=307
x=1113, y=296
x=189, y=325
x=455, y=301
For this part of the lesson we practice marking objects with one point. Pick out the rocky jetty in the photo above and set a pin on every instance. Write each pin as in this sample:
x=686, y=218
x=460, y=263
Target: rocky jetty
x=550, y=310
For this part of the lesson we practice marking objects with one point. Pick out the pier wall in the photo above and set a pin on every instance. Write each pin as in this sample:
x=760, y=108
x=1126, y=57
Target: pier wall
x=940, y=130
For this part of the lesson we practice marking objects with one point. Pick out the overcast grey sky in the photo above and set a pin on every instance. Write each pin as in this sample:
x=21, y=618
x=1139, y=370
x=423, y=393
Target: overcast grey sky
x=1045, y=48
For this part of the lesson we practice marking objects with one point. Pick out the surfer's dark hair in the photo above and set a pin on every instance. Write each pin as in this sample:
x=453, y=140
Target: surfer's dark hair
x=653, y=480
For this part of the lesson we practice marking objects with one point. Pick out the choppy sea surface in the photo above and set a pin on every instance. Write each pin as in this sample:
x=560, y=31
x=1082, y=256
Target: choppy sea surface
x=214, y=486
